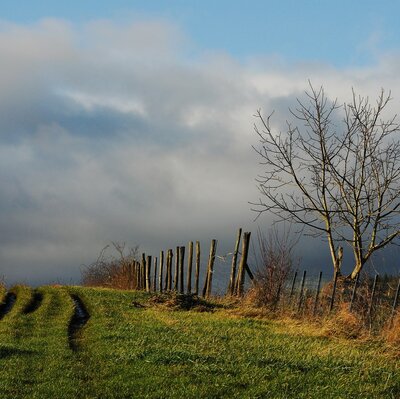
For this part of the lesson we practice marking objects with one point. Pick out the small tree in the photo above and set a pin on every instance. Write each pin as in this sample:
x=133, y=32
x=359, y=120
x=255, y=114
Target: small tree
x=274, y=264
x=343, y=184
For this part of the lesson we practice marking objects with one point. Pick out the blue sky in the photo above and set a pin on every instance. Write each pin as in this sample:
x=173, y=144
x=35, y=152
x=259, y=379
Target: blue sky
x=338, y=32
x=133, y=121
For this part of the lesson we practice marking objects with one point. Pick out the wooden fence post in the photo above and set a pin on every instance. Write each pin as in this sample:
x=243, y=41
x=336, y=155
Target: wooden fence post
x=176, y=275
x=169, y=270
x=248, y=271
x=353, y=294
x=333, y=292
x=129, y=266
x=148, y=270
x=189, y=272
x=167, y=275
x=143, y=271
x=210, y=269
x=242, y=264
x=161, y=272
x=303, y=280
x=196, y=284
x=155, y=274
x=232, y=279
x=137, y=266
x=181, y=276
x=134, y=275
x=317, y=294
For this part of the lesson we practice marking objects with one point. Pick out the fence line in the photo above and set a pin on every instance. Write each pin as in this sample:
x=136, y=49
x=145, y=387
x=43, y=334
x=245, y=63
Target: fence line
x=307, y=296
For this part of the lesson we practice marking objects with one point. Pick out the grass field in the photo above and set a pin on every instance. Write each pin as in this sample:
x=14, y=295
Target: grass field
x=128, y=351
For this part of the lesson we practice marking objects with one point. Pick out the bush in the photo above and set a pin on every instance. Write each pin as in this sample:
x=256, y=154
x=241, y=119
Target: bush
x=113, y=270
x=274, y=266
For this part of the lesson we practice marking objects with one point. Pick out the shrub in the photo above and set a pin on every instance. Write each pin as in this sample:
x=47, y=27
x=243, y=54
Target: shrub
x=113, y=270
x=274, y=265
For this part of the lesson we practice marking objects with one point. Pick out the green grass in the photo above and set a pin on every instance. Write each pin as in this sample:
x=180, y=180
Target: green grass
x=130, y=352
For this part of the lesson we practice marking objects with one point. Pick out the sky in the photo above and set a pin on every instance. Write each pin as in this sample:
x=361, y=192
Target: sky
x=132, y=121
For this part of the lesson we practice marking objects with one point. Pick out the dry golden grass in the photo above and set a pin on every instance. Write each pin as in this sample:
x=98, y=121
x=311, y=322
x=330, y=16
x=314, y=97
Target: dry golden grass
x=391, y=332
x=344, y=324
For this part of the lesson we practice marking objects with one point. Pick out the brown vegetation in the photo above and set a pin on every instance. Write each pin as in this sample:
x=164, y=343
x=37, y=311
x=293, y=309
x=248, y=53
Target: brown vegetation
x=274, y=265
x=392, y=332
x=344, y=324
x=111, y=270
x=177, y=301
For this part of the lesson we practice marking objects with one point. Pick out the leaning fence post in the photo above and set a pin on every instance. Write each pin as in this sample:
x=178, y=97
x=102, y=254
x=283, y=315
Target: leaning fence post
x=160, y=274
x=333, y=292
x=231, y=286
x=317, y=294
x=189, y=272
x=353, y=294
x=303, y=280
x=243, y=263
x=396, y=298
x=210, y=269
x=181, y=277
x=196, y=285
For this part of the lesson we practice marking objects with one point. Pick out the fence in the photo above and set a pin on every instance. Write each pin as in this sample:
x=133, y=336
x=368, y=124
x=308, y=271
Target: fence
x=169, y=273
x=374, y=299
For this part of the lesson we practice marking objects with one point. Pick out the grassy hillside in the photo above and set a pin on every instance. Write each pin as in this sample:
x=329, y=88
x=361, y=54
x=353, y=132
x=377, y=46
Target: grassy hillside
x=129, y=351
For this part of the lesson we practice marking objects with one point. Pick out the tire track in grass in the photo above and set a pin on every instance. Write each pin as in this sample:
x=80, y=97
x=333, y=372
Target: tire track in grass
x=35, y=302
x=8, y=303
x=43, y=331
x=78, y=320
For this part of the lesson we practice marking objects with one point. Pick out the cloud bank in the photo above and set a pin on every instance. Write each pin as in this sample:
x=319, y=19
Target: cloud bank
x=127, y=133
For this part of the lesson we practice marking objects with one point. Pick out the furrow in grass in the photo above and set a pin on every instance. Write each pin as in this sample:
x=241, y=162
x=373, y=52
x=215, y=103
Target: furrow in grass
x=8, y=303
x=78, y=320
x=39, y=355
x=35, y=302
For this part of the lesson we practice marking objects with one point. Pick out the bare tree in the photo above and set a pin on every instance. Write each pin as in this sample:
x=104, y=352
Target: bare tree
x=339, y=180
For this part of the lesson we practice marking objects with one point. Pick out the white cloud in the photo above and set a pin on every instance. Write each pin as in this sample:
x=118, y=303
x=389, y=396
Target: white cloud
x=111, y=133
x=92, y=102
